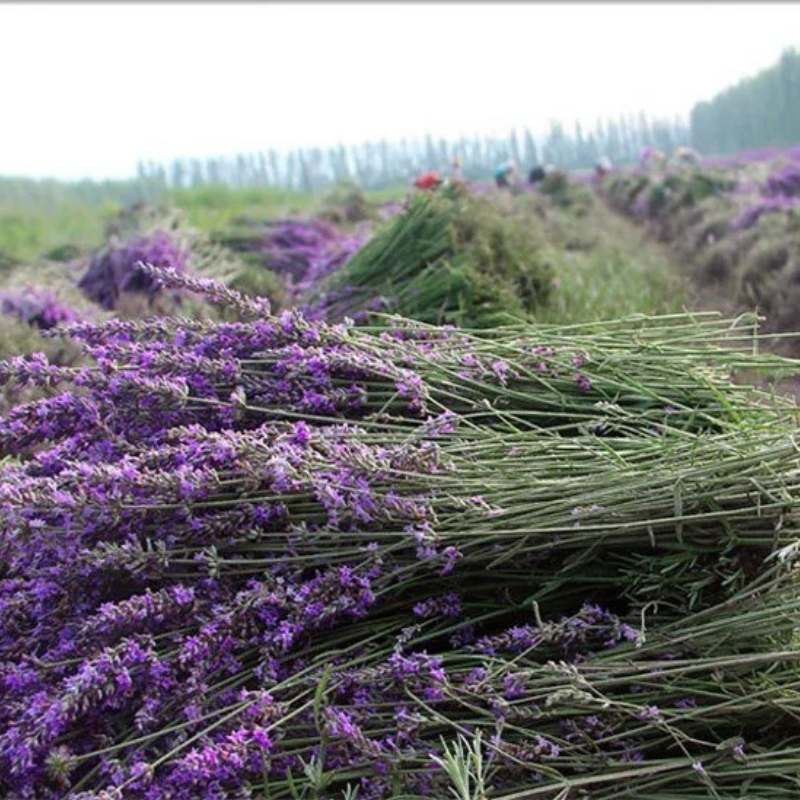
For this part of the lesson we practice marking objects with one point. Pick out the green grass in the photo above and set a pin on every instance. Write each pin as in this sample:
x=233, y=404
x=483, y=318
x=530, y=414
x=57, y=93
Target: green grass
x=606, y=269
x=37, y=216
x=215, y=207
x=212, y=208
x=32, y=224
x=611, y=283
x=26, y=233
x=387, y=195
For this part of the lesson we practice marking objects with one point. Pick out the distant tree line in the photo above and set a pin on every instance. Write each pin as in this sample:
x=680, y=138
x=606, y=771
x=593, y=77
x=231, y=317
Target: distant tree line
x=760, y=111
x=377, y=165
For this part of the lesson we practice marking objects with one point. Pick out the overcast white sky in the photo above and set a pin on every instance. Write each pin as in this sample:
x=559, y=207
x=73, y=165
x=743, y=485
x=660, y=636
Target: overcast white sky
x=89, y=89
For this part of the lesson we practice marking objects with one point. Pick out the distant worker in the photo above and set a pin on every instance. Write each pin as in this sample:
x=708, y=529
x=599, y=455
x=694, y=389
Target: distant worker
x=536, y=174
x=505, y=174
x=455, y=169
x=687, y=155
x=602, y=167
x=651, y=156
x=428, y=181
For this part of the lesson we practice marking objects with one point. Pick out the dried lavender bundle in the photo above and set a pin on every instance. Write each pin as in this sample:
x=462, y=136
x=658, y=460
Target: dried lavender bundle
x=637, y=374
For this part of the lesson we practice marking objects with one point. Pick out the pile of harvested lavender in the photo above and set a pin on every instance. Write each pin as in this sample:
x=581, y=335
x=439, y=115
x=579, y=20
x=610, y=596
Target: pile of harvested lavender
x=301, y=252
x=279, y=558
x=449, y=257
x=37, y=307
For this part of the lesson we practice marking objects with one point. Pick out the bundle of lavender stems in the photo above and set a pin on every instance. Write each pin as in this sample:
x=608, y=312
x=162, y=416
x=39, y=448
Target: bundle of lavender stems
x=277, y=558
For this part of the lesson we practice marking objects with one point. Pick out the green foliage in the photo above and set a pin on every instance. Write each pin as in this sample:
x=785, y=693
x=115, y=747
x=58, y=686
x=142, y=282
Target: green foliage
x=762, y=281
x=613, y=274
x=7, y=262
x=555, y=255
x=56, y=218
x=735, y=267
x=64, y=252
x=38, y=216
x=718, y=262
x=662, y=196
x=688, y=187
x=58, y=278
x=27, y=233
x=713, y=226
x=622, y=189
x=18, y=337
x=463, y=762
x=486, y=259
x=207, y=257
x=555, y=183
x=17, y=236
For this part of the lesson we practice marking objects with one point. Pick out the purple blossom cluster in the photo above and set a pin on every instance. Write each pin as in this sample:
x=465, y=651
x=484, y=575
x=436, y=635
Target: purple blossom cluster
x=305, y=251
x=784, y=182
x=114, y=269
x=330, y=258
x=152, y=572
x=573, y=637
x=637, y=193
x=781, y=193
x=290, y=245
x=37, y=307
x=765, y=205
x=753, y=156
x=129, y=585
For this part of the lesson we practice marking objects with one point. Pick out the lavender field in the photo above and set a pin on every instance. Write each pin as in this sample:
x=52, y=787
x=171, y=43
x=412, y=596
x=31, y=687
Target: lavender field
x=374, y=501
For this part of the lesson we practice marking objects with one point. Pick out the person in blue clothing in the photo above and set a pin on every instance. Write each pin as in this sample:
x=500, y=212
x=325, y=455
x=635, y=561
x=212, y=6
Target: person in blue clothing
x=504, y=174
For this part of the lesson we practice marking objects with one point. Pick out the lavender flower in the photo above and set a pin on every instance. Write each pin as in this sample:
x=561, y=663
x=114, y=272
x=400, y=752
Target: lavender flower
x=770, y=205
x=784, y=182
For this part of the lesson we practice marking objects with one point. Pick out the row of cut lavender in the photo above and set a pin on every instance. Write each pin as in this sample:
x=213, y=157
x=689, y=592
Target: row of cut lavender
x=233, y=549
x=300, y=251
